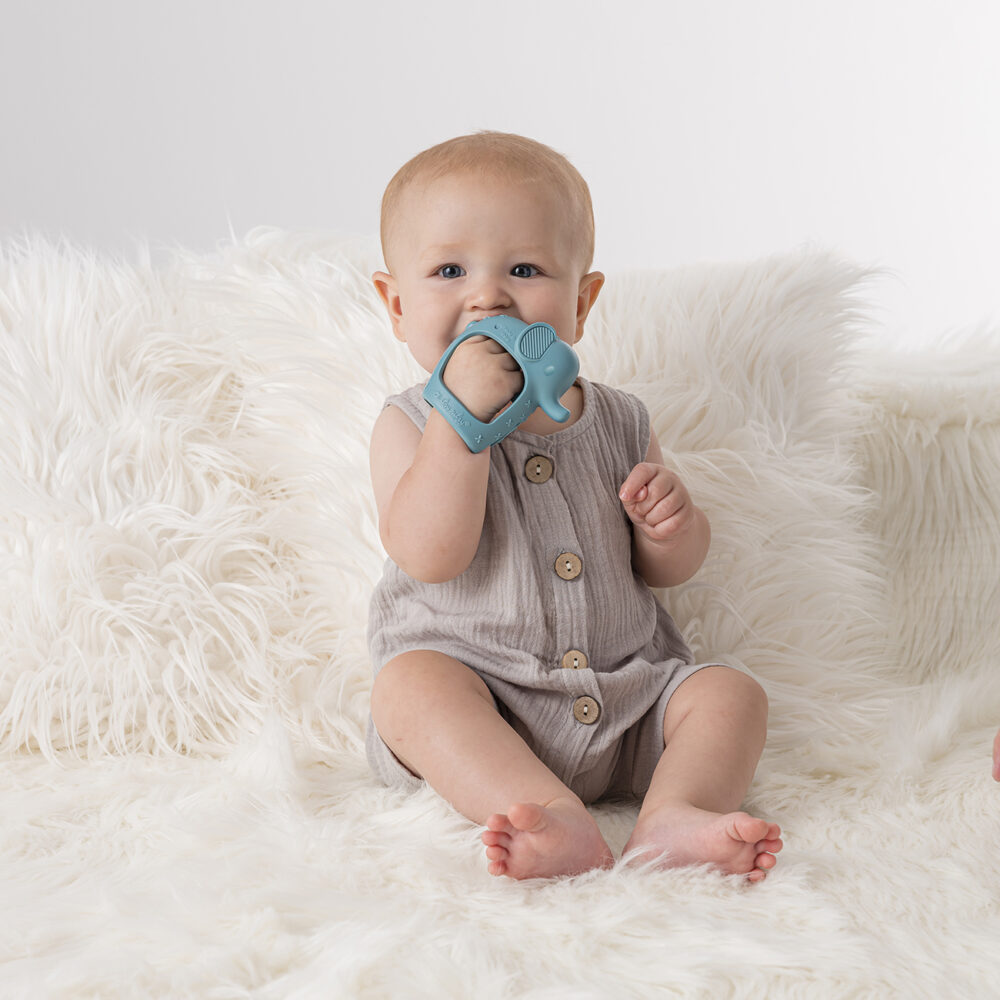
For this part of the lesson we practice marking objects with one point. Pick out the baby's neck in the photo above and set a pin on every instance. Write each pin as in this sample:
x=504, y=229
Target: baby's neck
x=541, y=423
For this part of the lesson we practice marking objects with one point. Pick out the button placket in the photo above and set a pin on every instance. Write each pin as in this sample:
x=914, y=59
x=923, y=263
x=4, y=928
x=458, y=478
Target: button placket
x=586, y=710
x=552, y=515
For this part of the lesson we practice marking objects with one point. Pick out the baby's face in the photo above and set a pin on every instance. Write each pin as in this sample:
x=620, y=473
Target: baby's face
x=467, y=247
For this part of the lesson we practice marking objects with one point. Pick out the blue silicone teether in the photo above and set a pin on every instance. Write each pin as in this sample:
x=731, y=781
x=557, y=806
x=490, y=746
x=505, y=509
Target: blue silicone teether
x=549, y=366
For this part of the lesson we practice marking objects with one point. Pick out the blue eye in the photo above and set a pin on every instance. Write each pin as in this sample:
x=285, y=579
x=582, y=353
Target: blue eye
x=524, y=270
x=451, y=271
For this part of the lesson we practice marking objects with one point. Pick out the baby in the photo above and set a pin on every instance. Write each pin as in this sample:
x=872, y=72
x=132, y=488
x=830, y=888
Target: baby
x=523, y=666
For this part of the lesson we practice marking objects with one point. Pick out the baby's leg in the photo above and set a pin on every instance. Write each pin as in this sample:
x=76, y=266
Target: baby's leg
x=713, y=731
x=439, y=719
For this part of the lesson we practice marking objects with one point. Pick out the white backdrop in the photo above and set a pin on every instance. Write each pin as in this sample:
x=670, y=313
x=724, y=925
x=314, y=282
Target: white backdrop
x=707, y=130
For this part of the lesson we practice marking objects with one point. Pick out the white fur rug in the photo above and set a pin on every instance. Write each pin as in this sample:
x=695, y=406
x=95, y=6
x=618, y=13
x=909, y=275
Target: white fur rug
x=187, y=543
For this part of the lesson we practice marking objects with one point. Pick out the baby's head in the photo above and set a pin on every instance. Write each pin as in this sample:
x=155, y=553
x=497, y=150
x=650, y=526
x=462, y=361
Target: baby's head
x=496, y=156
x=484, y=224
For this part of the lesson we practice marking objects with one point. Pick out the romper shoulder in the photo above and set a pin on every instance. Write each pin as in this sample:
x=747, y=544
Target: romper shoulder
x=625, y=415
x=411, y=401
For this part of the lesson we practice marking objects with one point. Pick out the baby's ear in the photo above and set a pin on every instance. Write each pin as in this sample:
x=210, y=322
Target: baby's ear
x=590, y=288
x=388, y=292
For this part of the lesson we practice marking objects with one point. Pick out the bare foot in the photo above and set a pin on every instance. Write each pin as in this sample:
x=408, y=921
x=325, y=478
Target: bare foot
x=736, y=843
x=533, y=841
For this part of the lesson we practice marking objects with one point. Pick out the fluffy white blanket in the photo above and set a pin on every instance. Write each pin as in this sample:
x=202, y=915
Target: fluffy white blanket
x=188, y=543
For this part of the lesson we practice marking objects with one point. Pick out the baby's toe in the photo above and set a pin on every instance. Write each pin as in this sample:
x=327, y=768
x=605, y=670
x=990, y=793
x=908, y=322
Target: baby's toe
x=526, y=817
x=500, y=823
x=497, y=868
x=495, y=838
x=765, y=861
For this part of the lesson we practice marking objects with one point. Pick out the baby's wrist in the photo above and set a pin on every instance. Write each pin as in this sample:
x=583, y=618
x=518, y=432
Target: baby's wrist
x=446, y=443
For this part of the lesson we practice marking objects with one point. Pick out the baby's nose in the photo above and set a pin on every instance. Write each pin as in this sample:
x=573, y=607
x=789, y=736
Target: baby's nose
x=489, y=295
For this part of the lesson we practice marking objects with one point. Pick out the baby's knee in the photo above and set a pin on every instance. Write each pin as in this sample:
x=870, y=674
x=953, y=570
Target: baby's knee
x=742, y=695
x=749, y=692
x=724, y=687
x=412, y=684
x=398, y=682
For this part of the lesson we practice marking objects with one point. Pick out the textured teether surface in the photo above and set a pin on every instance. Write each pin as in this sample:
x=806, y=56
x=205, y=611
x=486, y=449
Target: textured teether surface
x=549, y=366
x=536, y=340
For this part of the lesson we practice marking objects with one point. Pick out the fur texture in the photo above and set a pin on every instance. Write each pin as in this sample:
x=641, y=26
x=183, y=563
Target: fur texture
x=188, y=543
x=930, y=452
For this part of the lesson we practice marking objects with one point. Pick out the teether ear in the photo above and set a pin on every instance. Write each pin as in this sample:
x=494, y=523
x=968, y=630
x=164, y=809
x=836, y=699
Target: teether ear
x=535, y=341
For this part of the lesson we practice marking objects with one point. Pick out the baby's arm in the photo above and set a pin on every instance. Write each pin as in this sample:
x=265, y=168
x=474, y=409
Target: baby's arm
x=996, y=756
x=670, y=534
x=430, y=491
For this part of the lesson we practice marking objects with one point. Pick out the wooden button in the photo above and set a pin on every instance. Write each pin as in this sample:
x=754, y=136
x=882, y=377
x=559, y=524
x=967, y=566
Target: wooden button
x=586, y=710
x=574, y=660
x=568, y=566
x=539, y=469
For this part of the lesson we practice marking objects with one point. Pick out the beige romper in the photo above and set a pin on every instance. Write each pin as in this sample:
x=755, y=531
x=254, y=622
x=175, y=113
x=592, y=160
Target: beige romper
x=579, y=655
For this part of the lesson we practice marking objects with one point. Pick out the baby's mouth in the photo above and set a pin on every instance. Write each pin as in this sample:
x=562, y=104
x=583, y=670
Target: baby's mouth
x=491, y=315
x=482, y=317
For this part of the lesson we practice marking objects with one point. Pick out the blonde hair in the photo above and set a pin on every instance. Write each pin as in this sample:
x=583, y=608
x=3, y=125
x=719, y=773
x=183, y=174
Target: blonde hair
x=503, y=155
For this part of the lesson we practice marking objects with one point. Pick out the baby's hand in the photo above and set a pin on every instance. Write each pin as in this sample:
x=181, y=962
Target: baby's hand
x=657, y=502
x=483, y=376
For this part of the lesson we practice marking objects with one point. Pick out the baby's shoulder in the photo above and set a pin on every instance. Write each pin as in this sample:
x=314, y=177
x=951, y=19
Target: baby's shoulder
x=401, y=421
x=411, y=401
x=409, y=404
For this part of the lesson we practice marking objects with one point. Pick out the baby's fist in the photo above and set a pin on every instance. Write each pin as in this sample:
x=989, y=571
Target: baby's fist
x=483, y=376
x=657, y=502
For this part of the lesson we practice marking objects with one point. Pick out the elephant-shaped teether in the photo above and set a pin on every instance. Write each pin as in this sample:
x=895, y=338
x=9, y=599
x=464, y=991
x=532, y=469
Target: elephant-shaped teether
x=549, y=366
